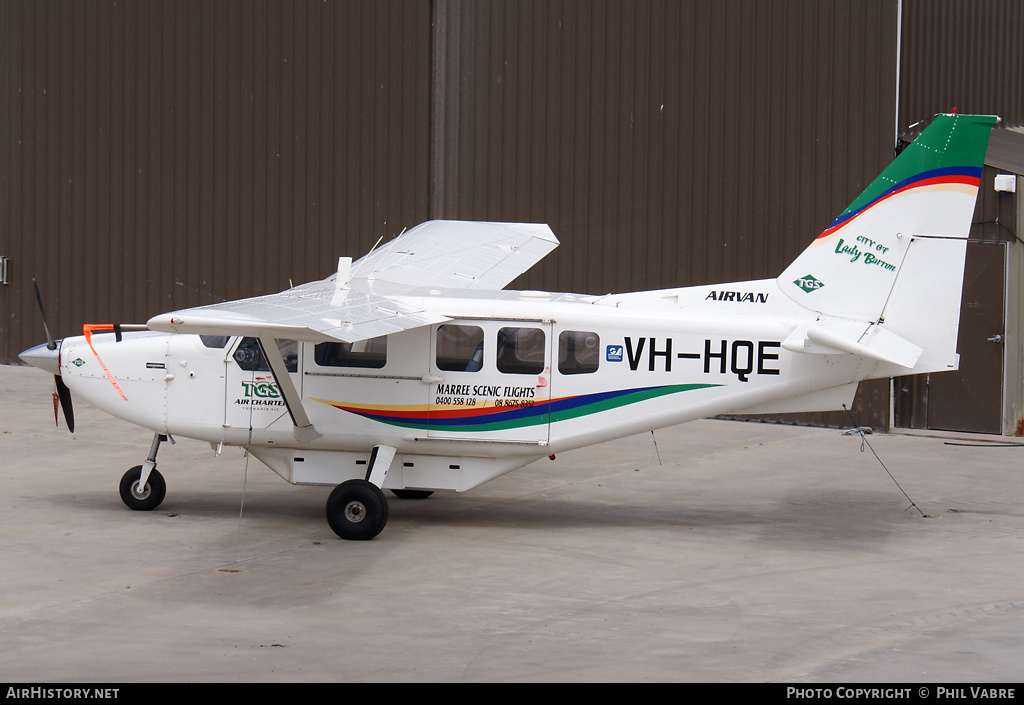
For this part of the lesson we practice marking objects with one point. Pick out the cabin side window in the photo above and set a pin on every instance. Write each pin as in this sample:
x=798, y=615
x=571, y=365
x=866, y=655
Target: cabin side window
x=578, y=352
x=521, y=350
x=459, y=348
x=372, y=353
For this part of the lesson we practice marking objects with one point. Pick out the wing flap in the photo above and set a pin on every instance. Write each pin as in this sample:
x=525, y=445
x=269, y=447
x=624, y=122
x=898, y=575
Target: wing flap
x=454, y=254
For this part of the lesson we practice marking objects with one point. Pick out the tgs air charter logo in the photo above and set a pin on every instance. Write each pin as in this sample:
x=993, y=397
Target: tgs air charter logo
x=260, y=392
x=808, y=283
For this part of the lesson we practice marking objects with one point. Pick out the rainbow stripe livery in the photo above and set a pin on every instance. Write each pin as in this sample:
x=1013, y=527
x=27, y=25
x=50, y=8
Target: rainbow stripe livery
x=951, y=179
x=478, y=419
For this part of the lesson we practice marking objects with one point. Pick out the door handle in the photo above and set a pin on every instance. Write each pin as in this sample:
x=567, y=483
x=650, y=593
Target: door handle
x=997, y=338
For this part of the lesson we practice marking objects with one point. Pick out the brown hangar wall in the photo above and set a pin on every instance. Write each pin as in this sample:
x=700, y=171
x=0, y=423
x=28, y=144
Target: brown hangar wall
x=167, y=154
x=161, y=154
x=968, y=56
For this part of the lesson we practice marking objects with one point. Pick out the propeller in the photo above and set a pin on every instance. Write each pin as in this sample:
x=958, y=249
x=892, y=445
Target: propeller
x=50, y=345
x=64, y=399
x=61, y=397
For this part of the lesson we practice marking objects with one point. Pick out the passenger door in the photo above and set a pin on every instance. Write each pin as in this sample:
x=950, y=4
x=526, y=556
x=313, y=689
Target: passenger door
x=370, y=389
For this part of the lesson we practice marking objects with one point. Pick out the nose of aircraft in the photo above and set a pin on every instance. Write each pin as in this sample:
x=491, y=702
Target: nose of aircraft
x=43, y=357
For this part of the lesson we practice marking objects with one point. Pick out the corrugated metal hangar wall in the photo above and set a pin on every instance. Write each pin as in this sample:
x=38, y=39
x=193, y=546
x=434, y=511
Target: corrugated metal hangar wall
x=167, y=154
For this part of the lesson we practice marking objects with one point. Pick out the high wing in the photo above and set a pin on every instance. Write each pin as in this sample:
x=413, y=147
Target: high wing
x=314, y=312
x=372, y=297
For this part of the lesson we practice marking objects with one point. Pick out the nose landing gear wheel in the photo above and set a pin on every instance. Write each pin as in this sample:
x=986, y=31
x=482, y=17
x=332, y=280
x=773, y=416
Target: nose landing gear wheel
x=145, y=498
x=357, y=510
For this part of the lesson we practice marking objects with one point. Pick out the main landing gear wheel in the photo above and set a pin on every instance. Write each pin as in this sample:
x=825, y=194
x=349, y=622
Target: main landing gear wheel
x=357, y=510
x=412, y=494
x=146, y=498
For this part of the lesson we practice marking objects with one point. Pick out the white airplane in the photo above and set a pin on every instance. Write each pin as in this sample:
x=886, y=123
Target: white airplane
x=413, y=370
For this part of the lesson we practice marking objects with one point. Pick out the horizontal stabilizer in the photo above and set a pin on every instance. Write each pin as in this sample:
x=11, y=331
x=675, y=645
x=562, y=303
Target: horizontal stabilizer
x=854, y=338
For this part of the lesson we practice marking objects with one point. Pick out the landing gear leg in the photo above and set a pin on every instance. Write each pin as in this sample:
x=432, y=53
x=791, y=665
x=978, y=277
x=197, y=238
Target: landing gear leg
x=143, y=487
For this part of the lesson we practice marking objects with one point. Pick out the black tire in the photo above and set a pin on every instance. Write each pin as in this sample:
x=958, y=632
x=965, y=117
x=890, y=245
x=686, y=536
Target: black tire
x=357, y=510
x=151, y=496
x=412, y=494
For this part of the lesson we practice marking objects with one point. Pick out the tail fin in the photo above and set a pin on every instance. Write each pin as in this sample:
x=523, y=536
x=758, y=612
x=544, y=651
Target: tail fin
x=895, y=257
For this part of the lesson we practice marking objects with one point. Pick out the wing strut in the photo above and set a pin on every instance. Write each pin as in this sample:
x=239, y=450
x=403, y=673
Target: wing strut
x=304, y=430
